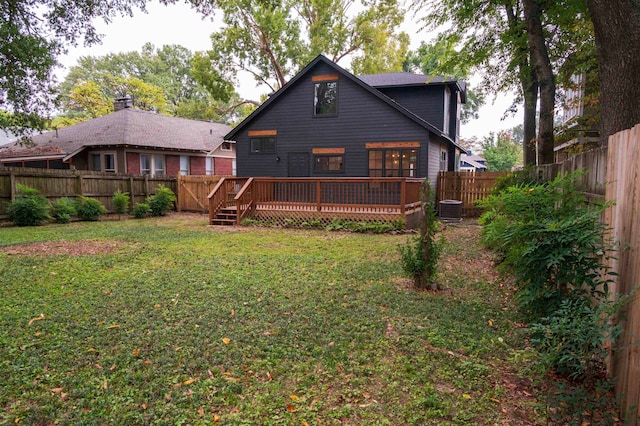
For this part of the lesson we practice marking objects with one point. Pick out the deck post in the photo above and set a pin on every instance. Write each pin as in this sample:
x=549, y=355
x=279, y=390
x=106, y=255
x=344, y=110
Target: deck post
x=318, y=195
x=403, y=195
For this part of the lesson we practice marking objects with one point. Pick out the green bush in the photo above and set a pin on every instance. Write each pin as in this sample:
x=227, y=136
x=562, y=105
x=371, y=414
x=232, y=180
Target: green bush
x=30, y=208
x=63, y=210
x=140, y=210
x=161, y=201
x=89, y=209
x=120, y=202
x=419, y=256
x=573, y=340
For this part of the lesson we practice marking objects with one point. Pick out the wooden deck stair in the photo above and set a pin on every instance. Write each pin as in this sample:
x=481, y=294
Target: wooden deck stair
x=226, y=217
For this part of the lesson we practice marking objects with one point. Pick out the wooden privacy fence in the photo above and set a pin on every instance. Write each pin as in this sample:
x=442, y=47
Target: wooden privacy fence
x=56, y=184
x=467, y=187
x=623, y=187
x=193, y=191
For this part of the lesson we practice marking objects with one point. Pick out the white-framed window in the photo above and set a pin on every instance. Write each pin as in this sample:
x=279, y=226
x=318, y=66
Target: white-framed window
x=103, y=162
x=184, y=165
x=447, y=107
x=210, y=166
x=152, y=164
x=233, y=167
x=443, y=160
x=226, y=146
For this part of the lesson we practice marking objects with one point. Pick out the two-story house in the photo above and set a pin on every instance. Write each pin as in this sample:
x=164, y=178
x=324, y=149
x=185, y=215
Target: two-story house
x=327, y=122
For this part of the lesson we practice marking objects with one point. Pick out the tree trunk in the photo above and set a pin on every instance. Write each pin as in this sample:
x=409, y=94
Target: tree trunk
x=528, y=85
x=617, y=31
x=545, y=77
x=530, y=91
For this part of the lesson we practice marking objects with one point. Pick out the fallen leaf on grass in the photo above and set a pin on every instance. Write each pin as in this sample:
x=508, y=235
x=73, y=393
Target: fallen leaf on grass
x=201, y=411
x=497, y=401
x=136, y=351
x=105, y=386
x=291, y=408
x=113, y=326
x=294, y=397
x=216, y=418
x=144, y=406
x=226, y=340
x=56, y=390
x=167, y=397
x=466, y=396
x=38, y=318
x=190, y=381
x=233, y=312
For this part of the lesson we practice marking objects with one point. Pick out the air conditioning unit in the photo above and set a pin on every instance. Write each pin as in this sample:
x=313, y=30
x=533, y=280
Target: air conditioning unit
x=450, y=210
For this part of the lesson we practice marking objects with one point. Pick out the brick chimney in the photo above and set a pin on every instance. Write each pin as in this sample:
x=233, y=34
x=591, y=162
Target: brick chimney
x=122, y=103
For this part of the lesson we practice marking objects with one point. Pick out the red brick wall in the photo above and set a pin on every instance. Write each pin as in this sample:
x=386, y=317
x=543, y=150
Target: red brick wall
x=173, y=165
x=198, y=166
x=223, y=166
x=133, y=163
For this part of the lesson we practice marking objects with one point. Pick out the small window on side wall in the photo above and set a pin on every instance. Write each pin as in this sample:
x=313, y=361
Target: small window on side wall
x=325, y=98
x=328, y=163
x=263, y=145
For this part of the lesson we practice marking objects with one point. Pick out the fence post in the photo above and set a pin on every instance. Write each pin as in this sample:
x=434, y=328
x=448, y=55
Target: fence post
x=79, y=190
x=319, y=195
x=12, y=185
x=178, y=196
x=403, y=195
x=132, y=199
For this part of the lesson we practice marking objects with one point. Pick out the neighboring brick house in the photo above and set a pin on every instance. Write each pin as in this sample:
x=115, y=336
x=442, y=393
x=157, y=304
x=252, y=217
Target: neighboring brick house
x=130, y=141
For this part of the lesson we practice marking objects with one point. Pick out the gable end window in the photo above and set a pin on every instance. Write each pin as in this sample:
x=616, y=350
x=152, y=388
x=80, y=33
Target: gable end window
x=263, y=145
x=325, y=98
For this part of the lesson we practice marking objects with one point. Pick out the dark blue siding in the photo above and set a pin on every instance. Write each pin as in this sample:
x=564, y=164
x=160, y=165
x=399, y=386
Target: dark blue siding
x=362, y=118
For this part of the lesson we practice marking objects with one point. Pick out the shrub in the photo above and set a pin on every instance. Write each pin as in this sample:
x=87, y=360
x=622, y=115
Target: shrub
x=120, y=202
x=89, y=209
x=419, y=256
x=161, y=201
x=63, y=210
x=30, y=208
x=140, y=210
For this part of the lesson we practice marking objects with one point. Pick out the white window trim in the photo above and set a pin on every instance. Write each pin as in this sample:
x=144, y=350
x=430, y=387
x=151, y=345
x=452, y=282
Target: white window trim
x=188, y=169
x=153, y=168
x=222, y=148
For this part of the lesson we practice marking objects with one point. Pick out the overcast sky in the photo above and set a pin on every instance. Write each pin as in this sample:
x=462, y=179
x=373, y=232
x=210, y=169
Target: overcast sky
x=178, y=24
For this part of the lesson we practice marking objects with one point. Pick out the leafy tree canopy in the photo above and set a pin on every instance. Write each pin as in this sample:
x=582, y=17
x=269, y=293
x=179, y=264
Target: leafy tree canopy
x=169, y=80
x=273, y=40
x=501, y=152
x=33, y=34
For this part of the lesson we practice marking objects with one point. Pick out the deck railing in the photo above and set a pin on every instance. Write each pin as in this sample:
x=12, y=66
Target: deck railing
x=345, y=195
x=223, y=194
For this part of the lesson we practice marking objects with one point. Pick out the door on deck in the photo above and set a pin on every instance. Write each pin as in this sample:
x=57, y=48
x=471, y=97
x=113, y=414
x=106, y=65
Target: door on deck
x=299, y=164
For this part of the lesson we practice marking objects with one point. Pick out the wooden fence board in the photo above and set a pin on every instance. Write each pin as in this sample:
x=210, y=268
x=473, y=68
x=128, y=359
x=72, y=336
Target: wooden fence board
x=55, y=184
x=467, y=187
x=193, y=192
x=623, y=187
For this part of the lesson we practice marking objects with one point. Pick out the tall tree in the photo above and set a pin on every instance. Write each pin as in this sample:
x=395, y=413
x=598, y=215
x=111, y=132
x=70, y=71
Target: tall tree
x=273, y=40
x=33, y=34
x=517, y=44
x=172, y=69
x=501, y=152
x=617, y=35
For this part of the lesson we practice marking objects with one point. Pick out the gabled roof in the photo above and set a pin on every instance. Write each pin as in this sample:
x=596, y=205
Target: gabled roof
x=473, y=160
x=321, y=58
x=403, y=79
x=127, y=127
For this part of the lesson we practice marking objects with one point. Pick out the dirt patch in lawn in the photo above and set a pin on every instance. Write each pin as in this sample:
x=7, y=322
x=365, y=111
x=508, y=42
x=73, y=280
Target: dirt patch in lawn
x=69, y=248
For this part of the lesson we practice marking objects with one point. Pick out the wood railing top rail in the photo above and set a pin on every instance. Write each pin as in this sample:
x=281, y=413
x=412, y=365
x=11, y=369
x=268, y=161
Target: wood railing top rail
x=215, y=188
x=244, y=189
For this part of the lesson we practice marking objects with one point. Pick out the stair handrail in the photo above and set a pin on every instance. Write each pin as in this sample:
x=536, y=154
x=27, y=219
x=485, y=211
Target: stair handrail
x=217, y=199
x=244, y=200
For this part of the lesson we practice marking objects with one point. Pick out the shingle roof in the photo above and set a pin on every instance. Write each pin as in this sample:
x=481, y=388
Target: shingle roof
x=129, y=127
x=400, y=79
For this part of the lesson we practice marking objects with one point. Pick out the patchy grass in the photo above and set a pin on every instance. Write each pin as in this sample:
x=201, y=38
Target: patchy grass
x=169, y=321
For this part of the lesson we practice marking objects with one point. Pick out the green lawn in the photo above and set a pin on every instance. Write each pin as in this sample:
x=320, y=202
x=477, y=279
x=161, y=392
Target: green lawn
x=181, y=323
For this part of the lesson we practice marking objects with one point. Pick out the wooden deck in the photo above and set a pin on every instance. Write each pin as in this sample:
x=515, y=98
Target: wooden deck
x=279, y=200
